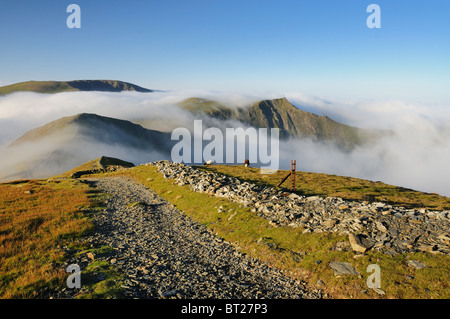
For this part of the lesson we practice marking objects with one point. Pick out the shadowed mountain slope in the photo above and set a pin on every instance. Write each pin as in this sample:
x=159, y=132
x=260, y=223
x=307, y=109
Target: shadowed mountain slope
x=280, y=113
x=70, y=141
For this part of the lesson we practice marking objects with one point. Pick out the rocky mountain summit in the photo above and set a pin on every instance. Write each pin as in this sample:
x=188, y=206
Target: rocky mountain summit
x=292, y=121
x=375, y=226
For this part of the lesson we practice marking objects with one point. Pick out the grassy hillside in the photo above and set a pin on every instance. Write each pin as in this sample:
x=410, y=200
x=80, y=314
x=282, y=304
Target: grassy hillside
x=206, y=106
x=349, y=188
x=70, y=141
x=98, y=128
x=304, y=256
x=37, y=86
x=39, y=217
x=42, y=225
x=68, y=86
x=101, y=163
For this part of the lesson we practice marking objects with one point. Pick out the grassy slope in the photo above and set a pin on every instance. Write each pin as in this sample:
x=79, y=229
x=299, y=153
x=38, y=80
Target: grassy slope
x=49, y=129
x=96, y=164
x=38, y=86
x=281, y=247
x=68, y=86
x=34, y=226
x=349, y=188
x=97, y=126
x=37, y=219
x=210, y=107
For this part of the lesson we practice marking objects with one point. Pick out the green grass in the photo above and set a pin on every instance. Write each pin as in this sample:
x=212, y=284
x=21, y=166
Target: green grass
x=348, y=188
x=303, y=256
x=100, y=279
x=37, y=86
x=109, y=287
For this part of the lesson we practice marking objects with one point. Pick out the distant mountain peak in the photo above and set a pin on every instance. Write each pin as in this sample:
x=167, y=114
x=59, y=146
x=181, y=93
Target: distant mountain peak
x=106, y=85
x=87, y=122
x=69, y=86
x=80, y=117
x=70, y=141
x=281, y=113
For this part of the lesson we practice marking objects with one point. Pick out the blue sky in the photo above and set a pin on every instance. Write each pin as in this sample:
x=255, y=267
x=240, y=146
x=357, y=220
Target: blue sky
x=319, y=47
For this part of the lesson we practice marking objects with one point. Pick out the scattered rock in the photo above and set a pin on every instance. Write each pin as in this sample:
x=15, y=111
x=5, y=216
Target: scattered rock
x=168, y=294
x=158, y=248
x=162, y=253
x=342, y=246
x=379, y=291
x=343, y=268
x=381, y=227
x=294, y=196
x=415, y=264
x=360, y=243
x=427, y=248
x=329, y=223
x=273, y=223
x=390, y=230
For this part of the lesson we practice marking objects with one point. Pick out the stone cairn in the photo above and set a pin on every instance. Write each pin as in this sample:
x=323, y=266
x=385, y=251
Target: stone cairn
x=376, y=226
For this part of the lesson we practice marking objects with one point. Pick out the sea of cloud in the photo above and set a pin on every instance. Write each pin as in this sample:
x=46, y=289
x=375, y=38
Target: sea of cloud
x=416, y=154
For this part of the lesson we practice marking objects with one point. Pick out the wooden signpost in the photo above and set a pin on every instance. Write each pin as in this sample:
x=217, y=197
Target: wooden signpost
x=292, y=174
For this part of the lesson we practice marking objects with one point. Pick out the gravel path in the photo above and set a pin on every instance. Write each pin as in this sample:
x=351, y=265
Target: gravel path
x=164, y=254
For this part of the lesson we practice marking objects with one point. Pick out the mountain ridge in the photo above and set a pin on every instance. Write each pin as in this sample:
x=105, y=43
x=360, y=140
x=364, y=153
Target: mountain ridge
x=87, y=121
x=70, y=141
x=281, y=113
x=72, y=86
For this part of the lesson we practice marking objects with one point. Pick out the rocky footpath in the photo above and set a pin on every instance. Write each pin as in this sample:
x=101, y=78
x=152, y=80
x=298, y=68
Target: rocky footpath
x=375, y=226
x=164, y=254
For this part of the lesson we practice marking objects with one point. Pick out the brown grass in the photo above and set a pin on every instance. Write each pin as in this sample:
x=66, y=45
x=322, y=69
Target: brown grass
x=36, y=219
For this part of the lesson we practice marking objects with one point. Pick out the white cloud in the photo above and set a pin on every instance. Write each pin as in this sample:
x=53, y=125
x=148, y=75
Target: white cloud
x=415, y=156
